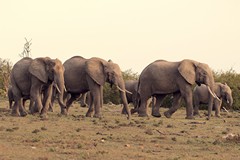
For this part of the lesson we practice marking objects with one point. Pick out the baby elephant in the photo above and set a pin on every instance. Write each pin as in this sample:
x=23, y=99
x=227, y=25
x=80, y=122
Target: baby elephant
x=201, y=96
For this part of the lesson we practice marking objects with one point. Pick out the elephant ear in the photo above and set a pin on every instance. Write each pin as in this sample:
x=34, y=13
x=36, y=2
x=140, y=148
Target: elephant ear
x=95, y=69
x=187, y=70
x=38, y=69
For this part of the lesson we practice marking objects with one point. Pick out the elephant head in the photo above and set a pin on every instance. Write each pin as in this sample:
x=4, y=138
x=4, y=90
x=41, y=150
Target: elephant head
x=102, y=71
x=200, y=73
x=226, y=93
x=49, y=70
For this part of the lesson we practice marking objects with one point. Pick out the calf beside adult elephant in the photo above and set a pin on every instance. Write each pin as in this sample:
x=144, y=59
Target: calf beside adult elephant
x=162, y=77
x=83, y=75
x=132, y=86
x=201, y=96
x=30, y=78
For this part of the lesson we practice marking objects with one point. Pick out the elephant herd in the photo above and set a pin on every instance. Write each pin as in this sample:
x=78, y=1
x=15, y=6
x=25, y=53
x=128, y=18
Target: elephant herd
x=38, y=79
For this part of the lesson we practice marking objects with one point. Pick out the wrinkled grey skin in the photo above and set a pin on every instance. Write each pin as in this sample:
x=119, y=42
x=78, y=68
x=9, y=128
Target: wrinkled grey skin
x=201, y=96
x=161, y=78
x=11, y=99
x=32, y=78
x=83, y=75
x=131, y=86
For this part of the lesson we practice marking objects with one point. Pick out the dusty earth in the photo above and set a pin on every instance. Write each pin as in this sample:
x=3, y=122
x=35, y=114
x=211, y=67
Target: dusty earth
x=75, y=137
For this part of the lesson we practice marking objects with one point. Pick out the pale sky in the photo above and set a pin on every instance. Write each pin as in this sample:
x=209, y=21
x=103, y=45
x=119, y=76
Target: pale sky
x=133, y=33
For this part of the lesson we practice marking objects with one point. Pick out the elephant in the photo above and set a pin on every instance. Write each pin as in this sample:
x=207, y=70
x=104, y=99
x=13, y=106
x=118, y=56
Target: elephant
x=162, y=77
x=131, y=86
x=34, y=77
x=201, y=96
x=11, y=98
x=82, y=75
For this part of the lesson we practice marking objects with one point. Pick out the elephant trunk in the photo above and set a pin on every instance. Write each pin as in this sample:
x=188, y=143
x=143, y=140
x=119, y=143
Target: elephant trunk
x=229, y=100
x=121, y=87
x=59, y=85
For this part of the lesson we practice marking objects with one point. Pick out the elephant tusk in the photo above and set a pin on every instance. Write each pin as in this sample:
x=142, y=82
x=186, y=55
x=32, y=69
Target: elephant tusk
x=120, y=88
x=209, y=90
x=213, y=94
x=225, y=109
x=128, y=91
x=217, y=98
x=65, y=89
x=123, y=90
x=56, y=86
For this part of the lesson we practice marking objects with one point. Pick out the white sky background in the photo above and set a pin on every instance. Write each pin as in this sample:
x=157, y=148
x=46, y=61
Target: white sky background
x=133, y=33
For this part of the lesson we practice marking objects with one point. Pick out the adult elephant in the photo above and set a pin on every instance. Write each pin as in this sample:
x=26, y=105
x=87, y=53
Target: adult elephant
x=83, y=75
x=162, y=77
x=34, y=77
x=201, y=96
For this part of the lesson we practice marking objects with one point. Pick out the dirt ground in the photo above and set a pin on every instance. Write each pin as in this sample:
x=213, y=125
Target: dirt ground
x=113, y=137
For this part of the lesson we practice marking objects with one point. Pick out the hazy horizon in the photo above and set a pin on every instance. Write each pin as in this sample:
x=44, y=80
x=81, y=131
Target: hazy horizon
x=131, y=33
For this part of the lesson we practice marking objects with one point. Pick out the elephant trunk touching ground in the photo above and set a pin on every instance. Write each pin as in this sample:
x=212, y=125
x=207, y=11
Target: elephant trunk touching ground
x=121, y=87
x=59, y=85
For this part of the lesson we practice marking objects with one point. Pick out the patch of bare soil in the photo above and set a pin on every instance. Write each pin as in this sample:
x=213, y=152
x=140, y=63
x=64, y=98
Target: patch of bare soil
x=77, y=137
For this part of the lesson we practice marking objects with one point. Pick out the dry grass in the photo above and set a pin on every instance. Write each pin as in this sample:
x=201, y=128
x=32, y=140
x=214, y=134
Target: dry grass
x=114, y=137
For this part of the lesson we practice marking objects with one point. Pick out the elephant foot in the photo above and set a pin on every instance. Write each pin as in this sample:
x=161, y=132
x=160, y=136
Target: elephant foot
x=196, y=113
x=23, y=114
x=88, y=114
x=167, y=114
x=124, y=111
x=15, y=114
x=64, y=112
x=156, y=114
x=142, y=115
x=43, y=116
x=133, y=111
x=83, y=105
x=97, y=116
x=218, y=115
x=208, y=118
x=50, y=109
x=190, y=117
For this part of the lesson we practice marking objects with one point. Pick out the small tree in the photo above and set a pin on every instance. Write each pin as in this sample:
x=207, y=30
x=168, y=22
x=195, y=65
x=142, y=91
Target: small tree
x=26, y=49
x=5, y=70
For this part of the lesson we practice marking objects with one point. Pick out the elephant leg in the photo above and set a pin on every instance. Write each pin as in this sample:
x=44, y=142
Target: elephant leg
x=22, y=109
x=187, y=95
x=142, y=110
x=69, y=102
x=15, y=109
x=177, y=97
x=217, y=106
x=82, y=100
x=36, y=96
x=47, y=100
x=31, y=106
x=97, y=103
x=90, y=105
x=156, y=103
x=196, y=106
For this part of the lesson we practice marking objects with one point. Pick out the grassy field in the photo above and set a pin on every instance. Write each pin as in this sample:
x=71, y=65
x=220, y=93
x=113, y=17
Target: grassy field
x=113, y=137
